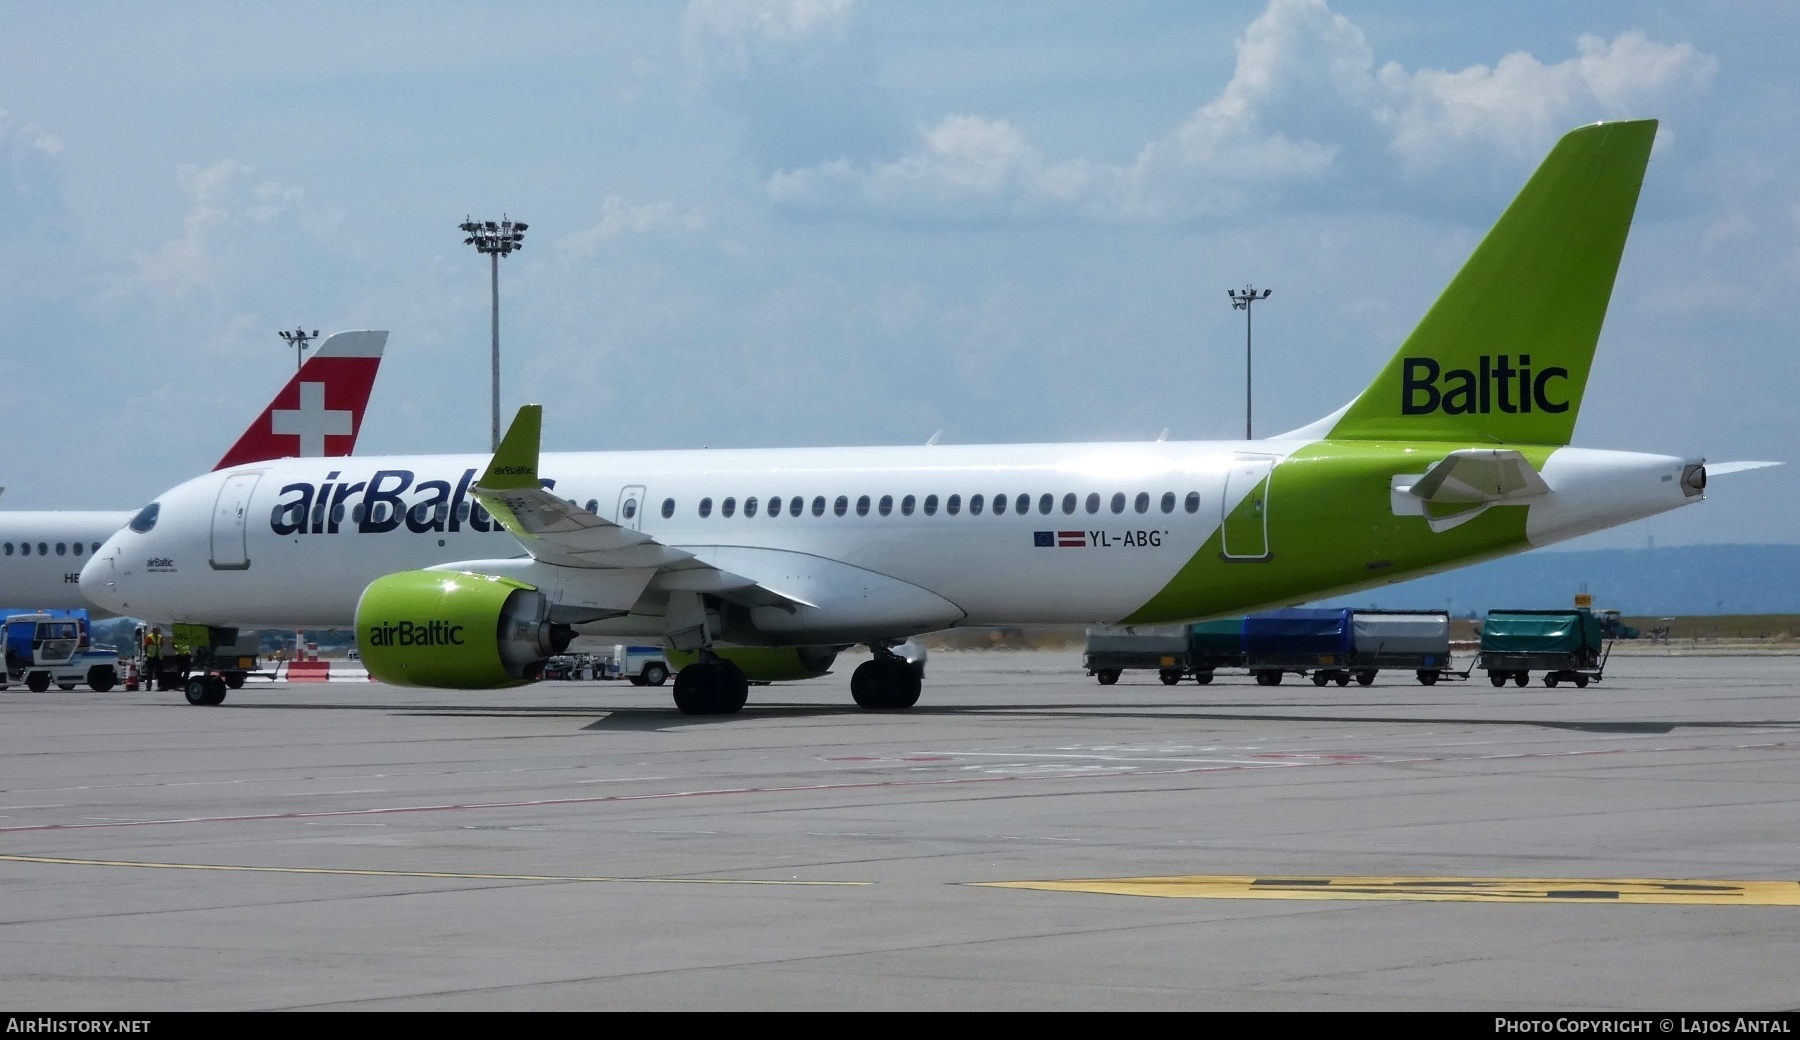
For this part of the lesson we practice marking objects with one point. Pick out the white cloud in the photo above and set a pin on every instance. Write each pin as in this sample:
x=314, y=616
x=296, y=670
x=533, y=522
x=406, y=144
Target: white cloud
x=1305, y=99
x=770, y=19
x=618, y=217
x=224, y=197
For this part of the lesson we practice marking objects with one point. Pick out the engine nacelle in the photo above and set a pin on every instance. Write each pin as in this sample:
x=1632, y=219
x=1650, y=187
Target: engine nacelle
x=457, y=631
x=767, y=663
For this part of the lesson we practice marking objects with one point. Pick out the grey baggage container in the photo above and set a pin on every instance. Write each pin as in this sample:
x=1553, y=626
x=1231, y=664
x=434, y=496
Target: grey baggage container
x=1163, y=648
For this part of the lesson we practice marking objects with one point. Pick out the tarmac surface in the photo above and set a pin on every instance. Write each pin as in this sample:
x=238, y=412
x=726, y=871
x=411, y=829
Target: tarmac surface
x=1631, y=846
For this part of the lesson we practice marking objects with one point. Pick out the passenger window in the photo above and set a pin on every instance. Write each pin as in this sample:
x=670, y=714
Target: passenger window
x=819, y=505
x=774, y=505
x=1045, y=502
x=906, y=506
x=930, y=505
x=796, y=505
x=886, y=505
x=1192, y=504
x=705, y=508
x=1168, y=502
x=862, y=506
x=1141, y=504
x=462, y=512
x=750, y=506
x=24, y=548
x=1023, y=505
x=62, y=548
x=630, y=508
x=953, y=505
x=593, y=505
x=9, y=548
x=356, y=513
x=974, y=505
x=1069, y=504
x=841, y=506
x=1118, y=502
x=96, y=547
x=77, y=548
x=1093, y=502
x=999, y=505
x=668, y=509
x=728, y=507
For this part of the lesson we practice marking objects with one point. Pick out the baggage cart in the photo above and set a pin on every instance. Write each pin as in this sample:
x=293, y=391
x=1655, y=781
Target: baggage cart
x=1565, y=645
x=1164, y=648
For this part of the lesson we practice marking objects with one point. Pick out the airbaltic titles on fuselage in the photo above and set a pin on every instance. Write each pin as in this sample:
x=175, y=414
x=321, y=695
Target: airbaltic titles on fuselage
x=307, y=509
x=1497, y=383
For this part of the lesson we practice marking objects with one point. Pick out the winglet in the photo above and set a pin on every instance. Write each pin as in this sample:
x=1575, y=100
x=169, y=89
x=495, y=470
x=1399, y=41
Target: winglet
x=515, y=461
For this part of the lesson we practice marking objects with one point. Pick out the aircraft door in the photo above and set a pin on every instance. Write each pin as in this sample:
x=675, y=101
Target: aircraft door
x=631, y=507
x=230, y=551
x=1244, y=510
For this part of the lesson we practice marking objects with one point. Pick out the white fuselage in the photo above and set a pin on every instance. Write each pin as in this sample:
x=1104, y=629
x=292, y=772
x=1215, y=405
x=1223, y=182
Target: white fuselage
x=294, y=542
x=42, y=553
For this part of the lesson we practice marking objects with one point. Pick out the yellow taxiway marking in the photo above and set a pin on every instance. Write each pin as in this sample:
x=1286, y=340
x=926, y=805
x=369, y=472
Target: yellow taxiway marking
x=443, y=874
x=1458, y=889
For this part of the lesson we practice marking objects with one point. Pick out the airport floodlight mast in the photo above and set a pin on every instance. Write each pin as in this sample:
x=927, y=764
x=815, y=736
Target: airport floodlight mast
x=299, y=339
x=496, y=239
x=1241, y=301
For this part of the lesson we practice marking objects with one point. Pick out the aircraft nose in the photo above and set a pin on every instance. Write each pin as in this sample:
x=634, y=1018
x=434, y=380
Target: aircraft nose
x=100, y=580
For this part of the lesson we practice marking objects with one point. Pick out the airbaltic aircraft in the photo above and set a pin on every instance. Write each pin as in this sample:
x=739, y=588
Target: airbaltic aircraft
x=469, y=571
x=318, y=413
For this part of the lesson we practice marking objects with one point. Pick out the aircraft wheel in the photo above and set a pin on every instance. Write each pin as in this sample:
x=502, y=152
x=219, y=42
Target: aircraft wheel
x=204, y=690
x=1107, y=677
x=1497, y=678
x=37, y=682
x=654, y=675
x=733, y=690
x=1320, y=678
x=1521, y=678
x=694, y=689
x=885, y=684
x=235, y=680
x=1171, y=678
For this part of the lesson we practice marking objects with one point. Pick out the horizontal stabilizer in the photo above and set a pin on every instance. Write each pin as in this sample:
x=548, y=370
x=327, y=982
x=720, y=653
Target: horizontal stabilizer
x=1719, y=469
x=1475, y=476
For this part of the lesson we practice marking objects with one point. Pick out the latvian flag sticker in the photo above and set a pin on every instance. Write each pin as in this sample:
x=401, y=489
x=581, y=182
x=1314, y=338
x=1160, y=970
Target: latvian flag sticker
x=1059, y=539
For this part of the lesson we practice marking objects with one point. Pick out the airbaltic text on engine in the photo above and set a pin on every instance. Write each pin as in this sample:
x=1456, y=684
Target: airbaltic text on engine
x=1466, y=392
x=424, y=633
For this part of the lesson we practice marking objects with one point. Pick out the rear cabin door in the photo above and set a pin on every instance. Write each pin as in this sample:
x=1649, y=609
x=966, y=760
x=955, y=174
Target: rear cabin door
x=631, y=507
x=1244, y=519
x=231, y=511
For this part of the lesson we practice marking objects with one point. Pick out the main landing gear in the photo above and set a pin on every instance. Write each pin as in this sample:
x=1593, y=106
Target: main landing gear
x=206, y=690
x=711, y=686
x=885, y=682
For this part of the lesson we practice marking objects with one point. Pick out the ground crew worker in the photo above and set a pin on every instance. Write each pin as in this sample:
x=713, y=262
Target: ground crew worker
x=153, y=648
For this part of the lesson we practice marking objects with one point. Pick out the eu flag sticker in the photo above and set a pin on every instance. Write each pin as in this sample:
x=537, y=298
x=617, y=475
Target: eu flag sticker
x=1043, y=539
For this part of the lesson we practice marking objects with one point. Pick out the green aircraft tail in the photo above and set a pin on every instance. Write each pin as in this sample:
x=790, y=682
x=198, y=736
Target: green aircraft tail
x=1503, y=355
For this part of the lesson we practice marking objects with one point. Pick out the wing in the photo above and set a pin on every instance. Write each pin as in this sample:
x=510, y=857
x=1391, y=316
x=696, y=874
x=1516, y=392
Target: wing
x=561, y=534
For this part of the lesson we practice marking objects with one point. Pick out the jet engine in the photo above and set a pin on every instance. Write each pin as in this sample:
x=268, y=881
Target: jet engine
x=453, y=630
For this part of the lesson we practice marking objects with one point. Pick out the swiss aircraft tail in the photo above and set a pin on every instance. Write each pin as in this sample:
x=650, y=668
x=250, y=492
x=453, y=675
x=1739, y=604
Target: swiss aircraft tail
x=1503, y=355
x=320, y=411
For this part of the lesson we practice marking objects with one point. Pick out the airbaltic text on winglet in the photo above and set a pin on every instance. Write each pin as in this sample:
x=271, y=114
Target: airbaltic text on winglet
x=1498, y=383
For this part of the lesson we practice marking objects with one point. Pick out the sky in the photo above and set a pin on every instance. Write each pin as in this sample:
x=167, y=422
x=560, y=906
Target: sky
x=824, y=222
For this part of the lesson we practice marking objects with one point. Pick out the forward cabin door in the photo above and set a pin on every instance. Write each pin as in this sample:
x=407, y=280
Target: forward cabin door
x=1244, y=510
x=231, y=511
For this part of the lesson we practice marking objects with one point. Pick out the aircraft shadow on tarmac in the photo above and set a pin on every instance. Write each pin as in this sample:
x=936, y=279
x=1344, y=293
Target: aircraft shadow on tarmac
x=650, y=719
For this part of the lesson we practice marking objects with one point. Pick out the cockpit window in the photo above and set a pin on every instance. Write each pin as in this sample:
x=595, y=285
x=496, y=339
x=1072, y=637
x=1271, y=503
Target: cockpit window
x=146, y=518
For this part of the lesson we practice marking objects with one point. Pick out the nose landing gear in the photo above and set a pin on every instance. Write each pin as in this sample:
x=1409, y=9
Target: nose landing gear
x=886, y=682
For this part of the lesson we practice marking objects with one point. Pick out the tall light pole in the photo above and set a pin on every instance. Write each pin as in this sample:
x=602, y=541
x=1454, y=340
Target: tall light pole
x=1241, y=301
x=496, y=240
x=299, y=339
